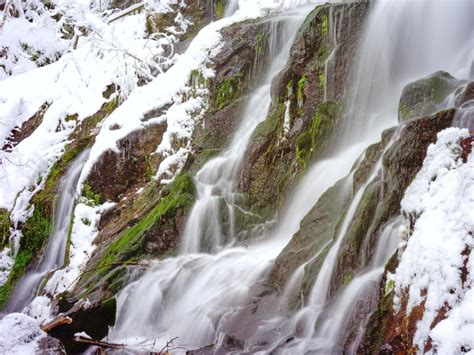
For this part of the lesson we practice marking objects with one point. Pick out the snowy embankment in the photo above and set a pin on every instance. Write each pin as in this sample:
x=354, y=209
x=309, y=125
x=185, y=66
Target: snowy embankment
x=436, y=266
x=72, y=87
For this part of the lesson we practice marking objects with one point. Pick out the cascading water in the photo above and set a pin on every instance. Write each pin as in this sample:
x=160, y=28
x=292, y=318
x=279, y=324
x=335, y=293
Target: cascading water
x=216, y=181
x=231, y=7
x=398, y=47
x=54, y=253
x=198, y=297
x=392, y=54
x=193, y=296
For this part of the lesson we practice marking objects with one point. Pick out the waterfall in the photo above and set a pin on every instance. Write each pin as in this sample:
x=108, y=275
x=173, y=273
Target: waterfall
x=404, y=41
x=204, y=292
x=194, y=296
x=395, y=50
x=54, y=252
x=231, y=7
x=216, y=181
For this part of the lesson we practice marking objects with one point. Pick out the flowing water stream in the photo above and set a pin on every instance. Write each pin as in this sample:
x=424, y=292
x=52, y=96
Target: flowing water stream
x=54, y=253
x=198, y=295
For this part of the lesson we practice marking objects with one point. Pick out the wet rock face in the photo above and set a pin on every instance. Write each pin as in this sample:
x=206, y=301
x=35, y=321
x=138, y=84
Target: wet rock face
x=239, y=65
x=424, y=97
x=117, y=172
x=50, y=345
x=300, y=123
x=317, y=229
x=380, y=202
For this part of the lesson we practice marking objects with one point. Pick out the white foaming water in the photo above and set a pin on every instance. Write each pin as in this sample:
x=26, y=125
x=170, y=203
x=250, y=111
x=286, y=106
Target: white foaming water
x=192, y=296
x=54, y=253
x=231, y=7
x=330, y=333
x=405, y=41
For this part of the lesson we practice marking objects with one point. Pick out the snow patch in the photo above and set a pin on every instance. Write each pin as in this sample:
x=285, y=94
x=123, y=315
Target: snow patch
x=84, y=231
x=441, y=203
x=19, y=334
x=6, y=264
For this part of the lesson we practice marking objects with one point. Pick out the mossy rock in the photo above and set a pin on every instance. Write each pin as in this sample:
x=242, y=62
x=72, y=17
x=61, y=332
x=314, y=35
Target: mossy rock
x=424, y=97
x=154, y=234
x=317, y=228
x=351, y=250
x=219, y=8
x=322, y=128
x=4, y=227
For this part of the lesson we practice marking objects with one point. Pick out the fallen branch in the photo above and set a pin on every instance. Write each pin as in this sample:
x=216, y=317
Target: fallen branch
x=167, y=346
x=125, y=12
x=56, y=323
x=101, y=344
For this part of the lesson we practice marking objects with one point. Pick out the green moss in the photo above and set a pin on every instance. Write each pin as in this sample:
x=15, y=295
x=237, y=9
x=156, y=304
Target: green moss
x=259, y=42
x=115, y=280
x=300, y=93
x=315, y=138
x=324, y=25
x=4, y=227
x=272, y=123
x=404, y=111
x=150, y=172
x=311, y=17
x=322, y=83
x=68, y=242
x=35, y=233
x=219, y=8
x=389, y=287
x=180, y=195
x=441, y=89
x=289, y=89
x=93, y=199
x=228, y=90
x=304, y=143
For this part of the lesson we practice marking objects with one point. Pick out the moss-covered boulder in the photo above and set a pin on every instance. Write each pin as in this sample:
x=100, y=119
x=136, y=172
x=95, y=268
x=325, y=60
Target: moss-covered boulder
x=425, y=96
x=4, y=227
x=305, y=109
x=155, y=233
